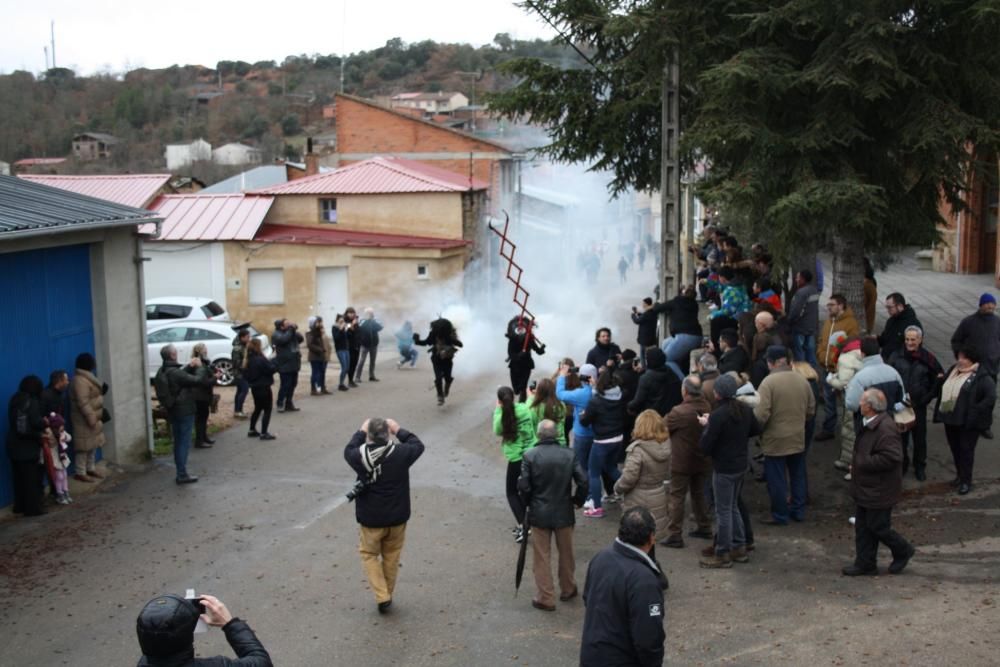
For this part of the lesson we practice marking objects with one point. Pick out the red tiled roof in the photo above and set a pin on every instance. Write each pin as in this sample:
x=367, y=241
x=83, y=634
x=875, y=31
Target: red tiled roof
x=38, y=161
x=195, y=217
x=379, y=175
x=136, y=190
x=343, y=237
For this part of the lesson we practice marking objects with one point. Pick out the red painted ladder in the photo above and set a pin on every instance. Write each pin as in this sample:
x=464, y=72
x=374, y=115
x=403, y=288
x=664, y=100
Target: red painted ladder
x=514, y=274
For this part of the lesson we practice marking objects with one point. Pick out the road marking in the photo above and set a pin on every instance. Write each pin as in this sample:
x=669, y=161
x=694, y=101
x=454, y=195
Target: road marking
x=326, y=509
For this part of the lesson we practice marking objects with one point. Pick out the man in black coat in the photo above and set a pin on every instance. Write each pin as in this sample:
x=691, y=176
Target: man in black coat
x=981, y=330
x=54, y=395
x=288, y=358
x=734, y=357
x=165, y=628
x=381, y=453
x=659, y=386
x=548, y=474
x=623, y=593
x=646, y=320
x=901, y=316
x=876, y=486
x=604, y=354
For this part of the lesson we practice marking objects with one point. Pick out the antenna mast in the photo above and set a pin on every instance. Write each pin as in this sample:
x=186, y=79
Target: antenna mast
x=52, y=28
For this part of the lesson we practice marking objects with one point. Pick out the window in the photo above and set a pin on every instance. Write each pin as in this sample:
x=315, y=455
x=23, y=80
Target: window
x=212, y=309
x=167, y=311
x=328, y=210
x=204, y=334
x=423, y=272
x=168, y=335
x=266, y=286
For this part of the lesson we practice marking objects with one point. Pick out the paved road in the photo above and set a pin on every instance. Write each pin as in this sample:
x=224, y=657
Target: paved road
x=268, y=531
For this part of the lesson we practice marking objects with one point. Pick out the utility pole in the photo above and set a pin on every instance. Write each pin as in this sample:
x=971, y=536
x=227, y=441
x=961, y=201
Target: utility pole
x=670, y=183
x=46, y=49
x=52, y=27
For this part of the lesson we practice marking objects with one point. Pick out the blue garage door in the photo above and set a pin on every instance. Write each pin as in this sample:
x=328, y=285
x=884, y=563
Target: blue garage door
x=48, y=319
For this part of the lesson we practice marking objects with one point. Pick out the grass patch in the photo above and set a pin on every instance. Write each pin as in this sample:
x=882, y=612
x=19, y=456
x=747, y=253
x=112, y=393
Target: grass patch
x=162, y=445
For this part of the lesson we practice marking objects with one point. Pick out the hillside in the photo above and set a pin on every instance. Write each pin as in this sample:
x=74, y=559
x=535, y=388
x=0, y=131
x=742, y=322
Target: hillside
x=267, y=104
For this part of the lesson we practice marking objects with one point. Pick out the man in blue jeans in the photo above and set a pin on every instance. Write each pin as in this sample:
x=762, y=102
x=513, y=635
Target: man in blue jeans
x=173, y=389
x=242, y=386
x=786, y=403
x=803, y=317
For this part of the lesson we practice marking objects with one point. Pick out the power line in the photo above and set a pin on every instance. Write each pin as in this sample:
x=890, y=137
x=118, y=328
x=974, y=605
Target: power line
x=566, y=39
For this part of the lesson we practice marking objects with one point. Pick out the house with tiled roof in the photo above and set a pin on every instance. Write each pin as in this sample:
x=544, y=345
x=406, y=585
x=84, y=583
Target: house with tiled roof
x=378, y=233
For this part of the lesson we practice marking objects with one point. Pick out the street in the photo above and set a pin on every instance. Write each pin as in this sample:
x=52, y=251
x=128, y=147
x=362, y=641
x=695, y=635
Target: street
x=268, y=531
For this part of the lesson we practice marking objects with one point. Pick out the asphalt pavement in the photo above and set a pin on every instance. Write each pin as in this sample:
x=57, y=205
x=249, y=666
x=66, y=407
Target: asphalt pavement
x=267, y=530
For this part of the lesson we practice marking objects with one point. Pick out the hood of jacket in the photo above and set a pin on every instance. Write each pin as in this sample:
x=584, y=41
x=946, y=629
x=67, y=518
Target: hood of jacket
x=658, y=451
x=612, y=394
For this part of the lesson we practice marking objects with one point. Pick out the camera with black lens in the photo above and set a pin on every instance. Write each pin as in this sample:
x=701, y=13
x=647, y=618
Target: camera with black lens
x=360, y=486
x=574, y=369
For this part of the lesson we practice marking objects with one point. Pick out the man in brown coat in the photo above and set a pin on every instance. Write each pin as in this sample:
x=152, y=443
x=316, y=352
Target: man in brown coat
x=786, y=403
x=876, y=485
x=839, y=326
x=689, y=468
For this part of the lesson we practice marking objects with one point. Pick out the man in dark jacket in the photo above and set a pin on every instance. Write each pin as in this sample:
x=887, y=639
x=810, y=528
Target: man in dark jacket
x=165, y=628
x=521, y=342
x=876, y=485
x=734, y=357
x=901, y=315
x=288, y=358
x=689, y=468
x=623, y=593
x=548, y=473
x=175, y=390
x=54, y=395
x=381, y=453
x=803, y=317
x=604, y=354
x=368, y=338
x=981, y=330
x=659, y=386
x=922, y=378
x=646, y=320
x=25, y=424
x=239, y=351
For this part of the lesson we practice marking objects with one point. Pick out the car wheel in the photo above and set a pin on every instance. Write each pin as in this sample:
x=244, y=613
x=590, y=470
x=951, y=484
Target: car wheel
x=225, y=368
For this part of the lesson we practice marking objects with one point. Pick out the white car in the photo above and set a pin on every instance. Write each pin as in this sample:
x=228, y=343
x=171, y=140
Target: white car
x=183, y=308
x=185, y=334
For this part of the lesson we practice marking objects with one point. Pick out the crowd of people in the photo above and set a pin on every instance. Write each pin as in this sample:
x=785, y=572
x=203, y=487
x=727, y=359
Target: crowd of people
x=689, y=417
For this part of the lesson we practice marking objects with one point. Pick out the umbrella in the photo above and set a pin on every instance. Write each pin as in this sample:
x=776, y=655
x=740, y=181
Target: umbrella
x=521, y=554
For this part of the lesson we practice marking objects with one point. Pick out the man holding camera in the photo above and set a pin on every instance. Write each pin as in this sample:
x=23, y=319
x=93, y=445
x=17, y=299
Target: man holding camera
x=174, y=384
x=165, y=629
x=288, y=358
x=381, y=453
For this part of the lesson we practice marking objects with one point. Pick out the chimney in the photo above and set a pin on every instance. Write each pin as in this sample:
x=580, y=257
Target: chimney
x=312, y=160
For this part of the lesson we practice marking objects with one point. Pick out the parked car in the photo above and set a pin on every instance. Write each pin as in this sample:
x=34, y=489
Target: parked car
x=185, y=334
x=183, y=308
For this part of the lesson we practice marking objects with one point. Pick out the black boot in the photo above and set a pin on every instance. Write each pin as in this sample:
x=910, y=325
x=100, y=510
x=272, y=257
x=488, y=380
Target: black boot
x=447, y=386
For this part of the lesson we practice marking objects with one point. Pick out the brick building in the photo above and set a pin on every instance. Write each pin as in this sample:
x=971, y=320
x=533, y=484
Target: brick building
x=969, y=239
x=366, y=130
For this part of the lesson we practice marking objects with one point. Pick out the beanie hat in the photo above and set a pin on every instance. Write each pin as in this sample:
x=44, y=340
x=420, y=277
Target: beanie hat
x=776, y=353
x=56, y=422
x=726, y=386
x=655, y=358
x=311, y=321
x=590, y=370
x=166, y=626
x=987, y=298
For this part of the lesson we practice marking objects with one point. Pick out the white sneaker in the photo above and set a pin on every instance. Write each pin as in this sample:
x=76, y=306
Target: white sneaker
x=847, y=477
x=589, y=504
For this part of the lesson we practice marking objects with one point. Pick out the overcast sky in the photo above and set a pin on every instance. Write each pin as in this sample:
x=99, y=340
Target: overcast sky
x=118, y=35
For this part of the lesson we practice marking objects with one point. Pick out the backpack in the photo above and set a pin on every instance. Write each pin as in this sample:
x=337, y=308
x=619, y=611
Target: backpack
x=162, y=385
x=21, y=425
x=445, y=351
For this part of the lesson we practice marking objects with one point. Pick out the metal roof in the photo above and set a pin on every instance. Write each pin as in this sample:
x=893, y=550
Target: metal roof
x=39, y=161
x=200, y=217
x=563, y=199
x=343, y=237
x=98, y=136
x=28, y=209
x=137, y=190
x=379, y=175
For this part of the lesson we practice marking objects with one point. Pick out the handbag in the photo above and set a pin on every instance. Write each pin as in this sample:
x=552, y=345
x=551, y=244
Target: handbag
x=905, y=419
x=105, y=415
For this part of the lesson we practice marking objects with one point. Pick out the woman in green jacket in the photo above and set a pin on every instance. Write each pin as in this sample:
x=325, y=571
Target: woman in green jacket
x=544, y=405
x=513, y=423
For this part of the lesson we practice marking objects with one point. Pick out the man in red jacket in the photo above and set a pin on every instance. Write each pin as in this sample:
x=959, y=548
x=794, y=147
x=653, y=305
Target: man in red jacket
x=876, y=485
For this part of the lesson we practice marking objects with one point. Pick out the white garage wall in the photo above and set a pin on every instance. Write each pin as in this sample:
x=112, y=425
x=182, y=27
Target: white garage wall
x=185, y=269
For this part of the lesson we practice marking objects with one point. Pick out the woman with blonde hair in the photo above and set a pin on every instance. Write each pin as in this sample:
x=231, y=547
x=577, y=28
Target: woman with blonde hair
x=202, y=397
x=647, y=466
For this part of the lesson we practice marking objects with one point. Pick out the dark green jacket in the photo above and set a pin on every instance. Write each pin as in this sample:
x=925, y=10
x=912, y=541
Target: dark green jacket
x=174, y=387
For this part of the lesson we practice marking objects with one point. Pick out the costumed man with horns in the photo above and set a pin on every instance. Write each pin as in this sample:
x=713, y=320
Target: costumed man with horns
x=521, y=342
x=443, y=343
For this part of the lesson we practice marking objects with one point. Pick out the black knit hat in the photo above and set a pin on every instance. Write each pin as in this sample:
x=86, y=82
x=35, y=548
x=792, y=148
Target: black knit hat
x=166, y=625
